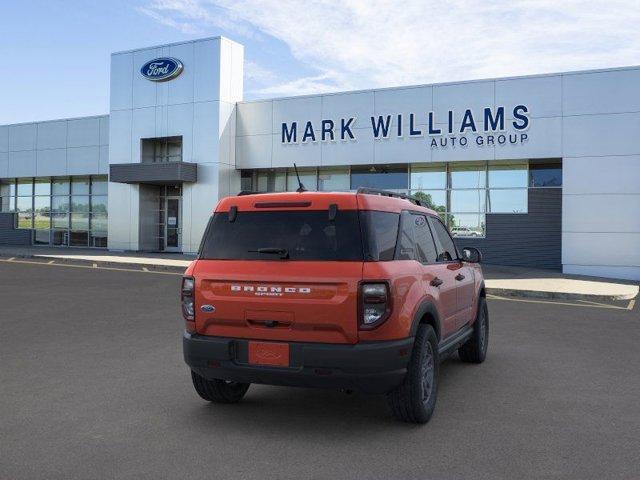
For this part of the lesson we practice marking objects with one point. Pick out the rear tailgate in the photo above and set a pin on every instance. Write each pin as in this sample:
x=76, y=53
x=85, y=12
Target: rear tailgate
x=299, y=301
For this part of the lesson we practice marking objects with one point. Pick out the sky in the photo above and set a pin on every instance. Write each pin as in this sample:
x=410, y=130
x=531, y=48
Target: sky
x=55, y=53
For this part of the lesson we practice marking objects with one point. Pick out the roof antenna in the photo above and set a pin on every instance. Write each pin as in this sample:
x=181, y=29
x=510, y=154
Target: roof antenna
x=300, y=188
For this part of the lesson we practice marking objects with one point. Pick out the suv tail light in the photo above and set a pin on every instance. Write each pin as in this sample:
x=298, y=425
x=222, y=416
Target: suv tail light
x=375, y=304
x=188, y=308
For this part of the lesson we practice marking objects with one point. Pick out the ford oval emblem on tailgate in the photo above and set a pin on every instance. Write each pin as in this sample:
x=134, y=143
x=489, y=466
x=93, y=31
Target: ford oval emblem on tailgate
x=208, y=308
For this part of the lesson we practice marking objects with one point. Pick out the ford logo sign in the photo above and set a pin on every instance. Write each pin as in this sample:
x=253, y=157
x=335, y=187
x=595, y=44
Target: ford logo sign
x=208, y=308
x=162, y=69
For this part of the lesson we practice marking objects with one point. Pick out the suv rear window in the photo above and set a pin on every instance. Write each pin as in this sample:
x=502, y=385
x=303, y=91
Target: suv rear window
x=304, y=235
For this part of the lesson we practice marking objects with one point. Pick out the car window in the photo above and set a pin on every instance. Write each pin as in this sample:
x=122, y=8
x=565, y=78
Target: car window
x=444, y=244
x=415, y=241
x=406, y=249
x=303, y=235
x=424, y=241
x=379, y=233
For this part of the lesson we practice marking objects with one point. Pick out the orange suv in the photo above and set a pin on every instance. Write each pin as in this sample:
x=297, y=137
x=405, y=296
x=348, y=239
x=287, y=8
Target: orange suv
x=357, y=291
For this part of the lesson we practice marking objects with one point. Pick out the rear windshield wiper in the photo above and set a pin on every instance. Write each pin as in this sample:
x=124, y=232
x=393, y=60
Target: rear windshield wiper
x=283, y=252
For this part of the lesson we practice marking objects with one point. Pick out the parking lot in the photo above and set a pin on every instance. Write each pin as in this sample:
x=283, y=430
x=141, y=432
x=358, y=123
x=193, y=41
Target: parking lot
x=92, y=385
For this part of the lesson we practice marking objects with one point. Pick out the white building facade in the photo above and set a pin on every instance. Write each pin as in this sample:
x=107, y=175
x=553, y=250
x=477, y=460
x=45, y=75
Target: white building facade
x=535, y=171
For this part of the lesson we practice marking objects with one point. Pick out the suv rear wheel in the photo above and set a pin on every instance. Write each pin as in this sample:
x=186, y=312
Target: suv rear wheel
x=415, y=400
x=219, y=391
x=475, y=349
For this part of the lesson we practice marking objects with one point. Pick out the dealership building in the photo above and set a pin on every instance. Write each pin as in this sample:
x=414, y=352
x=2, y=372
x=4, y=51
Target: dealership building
x=540, y=171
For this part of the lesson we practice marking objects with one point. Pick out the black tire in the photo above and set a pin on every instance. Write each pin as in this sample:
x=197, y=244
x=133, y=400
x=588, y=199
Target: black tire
x=415, y=399
x=474, y=350
x=219, y=391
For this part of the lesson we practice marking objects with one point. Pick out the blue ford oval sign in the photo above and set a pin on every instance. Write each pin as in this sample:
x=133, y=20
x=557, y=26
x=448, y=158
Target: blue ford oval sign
x=162, y=69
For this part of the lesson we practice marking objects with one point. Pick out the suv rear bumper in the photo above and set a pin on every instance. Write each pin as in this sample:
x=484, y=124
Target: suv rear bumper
x=371, y=367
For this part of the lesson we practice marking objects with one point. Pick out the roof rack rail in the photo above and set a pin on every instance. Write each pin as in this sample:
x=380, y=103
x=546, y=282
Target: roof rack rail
x=387, y=193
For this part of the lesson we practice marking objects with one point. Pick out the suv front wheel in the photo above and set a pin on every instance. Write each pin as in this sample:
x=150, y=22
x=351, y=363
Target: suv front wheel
x=415, y=399
x=218, y=391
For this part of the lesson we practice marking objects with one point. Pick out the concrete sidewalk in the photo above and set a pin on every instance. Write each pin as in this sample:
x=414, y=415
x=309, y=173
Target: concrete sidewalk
x=155, y=261
x=499, y=280
x=543, y=283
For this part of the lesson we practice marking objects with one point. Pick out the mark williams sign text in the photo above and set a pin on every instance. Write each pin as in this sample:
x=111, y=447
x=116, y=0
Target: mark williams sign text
x=489, y=127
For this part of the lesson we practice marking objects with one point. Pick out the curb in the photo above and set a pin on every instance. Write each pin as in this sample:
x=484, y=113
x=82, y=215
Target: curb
x=102, y=263
x=508, y=292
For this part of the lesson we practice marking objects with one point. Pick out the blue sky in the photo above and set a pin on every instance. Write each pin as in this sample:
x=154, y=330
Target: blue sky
x=56, y=53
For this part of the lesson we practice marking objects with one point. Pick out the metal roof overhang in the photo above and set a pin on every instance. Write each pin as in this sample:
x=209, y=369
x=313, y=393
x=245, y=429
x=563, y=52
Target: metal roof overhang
x=169, y=173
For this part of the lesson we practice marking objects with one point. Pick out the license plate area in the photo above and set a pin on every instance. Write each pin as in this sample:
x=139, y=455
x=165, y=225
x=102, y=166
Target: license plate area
x=269, y=353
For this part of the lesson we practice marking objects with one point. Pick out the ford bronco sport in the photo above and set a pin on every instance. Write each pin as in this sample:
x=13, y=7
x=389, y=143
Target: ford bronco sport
x=358, y=291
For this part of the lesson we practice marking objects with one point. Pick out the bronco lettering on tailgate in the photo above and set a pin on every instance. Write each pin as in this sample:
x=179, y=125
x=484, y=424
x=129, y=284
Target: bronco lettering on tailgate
x=269, y=290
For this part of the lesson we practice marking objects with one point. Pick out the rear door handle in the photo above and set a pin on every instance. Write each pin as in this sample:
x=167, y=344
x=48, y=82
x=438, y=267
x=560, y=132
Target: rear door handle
x=436, y=282
x=459, y=277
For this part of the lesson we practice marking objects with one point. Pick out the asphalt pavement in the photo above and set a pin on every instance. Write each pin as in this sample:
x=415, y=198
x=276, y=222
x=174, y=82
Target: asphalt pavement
x=93, y=386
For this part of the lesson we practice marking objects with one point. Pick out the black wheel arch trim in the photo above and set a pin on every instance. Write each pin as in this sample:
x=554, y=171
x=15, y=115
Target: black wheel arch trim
x=426, y=307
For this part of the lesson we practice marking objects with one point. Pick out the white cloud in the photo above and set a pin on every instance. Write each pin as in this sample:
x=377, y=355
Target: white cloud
x=195, y=15
x=363, y=44
x=184, y=27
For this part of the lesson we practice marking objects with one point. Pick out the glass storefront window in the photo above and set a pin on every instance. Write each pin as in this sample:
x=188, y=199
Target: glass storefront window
x=99, y=222
x=386, y=177
x=433, y=199
x=99, y=185
x=308, y=177
x=59, y=204
x=545, y=175
x=7, y=195
x=7, y=204
x=431, y=177
x=54, y=208
x=80, y=221
x=173, y=190
x=25, y=188
x=60, y=220
x=468, y=176
x=80, y=186
x=271, y=181
x=42, y=186
x=80, y=203
x=468, y=201
x=467, y=224
x=508, y=201
x=333, y=179
x=24, y=207
x=99, y=204
x=508, y=176
x=246, y=181
x=8, y=188
x=60, y=186
x=42, y=212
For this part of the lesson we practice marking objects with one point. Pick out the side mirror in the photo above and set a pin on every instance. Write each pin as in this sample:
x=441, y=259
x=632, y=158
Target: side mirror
x=471, y=254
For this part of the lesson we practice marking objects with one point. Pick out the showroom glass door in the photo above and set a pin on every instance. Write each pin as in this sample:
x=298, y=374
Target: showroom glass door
x=173, y=230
